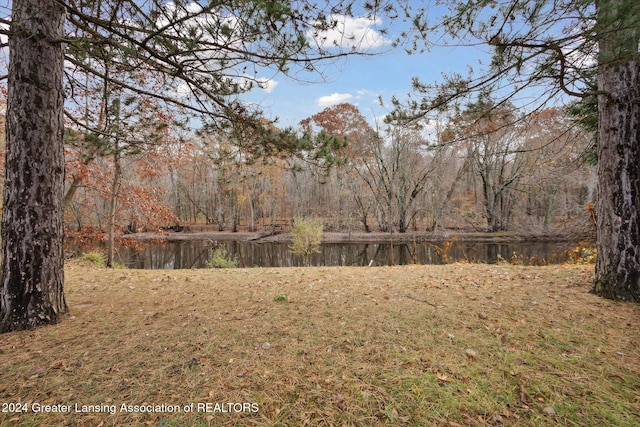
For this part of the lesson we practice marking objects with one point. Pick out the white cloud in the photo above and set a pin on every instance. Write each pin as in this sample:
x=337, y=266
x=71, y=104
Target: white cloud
x=4, y=52
x=183, y=90
x=192, y=7
x=246, y=82
x=3, y=37
x=333, y=99
x=191, y=17
x=367, y=94
x=351, y=32
x=268, y=85
x=379, y=121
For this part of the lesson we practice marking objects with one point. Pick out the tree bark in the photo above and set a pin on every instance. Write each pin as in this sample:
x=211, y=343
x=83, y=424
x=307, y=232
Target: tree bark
x=32, y=222
x=113, y=204
x=618, y=242
x=618, y=262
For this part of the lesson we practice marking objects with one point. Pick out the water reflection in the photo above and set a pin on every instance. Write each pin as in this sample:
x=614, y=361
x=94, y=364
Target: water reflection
x=194, y=254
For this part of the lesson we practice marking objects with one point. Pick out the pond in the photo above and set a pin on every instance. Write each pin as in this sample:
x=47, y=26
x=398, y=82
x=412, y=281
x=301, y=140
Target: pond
x=195, y=253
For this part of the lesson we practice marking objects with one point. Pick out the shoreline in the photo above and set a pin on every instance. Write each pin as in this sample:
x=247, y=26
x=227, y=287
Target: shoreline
x=358, y=237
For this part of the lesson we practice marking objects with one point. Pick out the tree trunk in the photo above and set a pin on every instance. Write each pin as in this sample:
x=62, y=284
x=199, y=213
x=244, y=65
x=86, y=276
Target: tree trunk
x=32, y=223
x=71, y=192
x=549, y=206
x=252, y=212
x=618, y=242
x=74, y=186
x=618, y=215
x=113, y=204
x=233, y=210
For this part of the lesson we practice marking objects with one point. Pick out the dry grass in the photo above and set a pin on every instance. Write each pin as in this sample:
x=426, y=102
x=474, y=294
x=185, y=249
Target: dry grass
x=416, y=345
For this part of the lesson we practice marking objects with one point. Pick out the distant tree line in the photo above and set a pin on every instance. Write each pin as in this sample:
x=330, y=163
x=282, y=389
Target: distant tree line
x=507, y=171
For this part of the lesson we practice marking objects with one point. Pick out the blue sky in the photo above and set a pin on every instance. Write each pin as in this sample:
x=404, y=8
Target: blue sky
x=360, y=80
x=363, y=80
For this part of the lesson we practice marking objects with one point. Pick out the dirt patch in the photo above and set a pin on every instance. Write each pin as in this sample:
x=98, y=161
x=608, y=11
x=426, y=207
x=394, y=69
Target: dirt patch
x=450, y=345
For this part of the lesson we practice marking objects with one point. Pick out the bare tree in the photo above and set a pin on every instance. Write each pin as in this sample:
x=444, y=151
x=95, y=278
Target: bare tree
x=396, y=171
x=556, y=47
x=492, y=138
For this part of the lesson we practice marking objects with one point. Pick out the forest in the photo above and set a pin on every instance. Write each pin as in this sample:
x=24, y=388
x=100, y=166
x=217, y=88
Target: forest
x=512, y=171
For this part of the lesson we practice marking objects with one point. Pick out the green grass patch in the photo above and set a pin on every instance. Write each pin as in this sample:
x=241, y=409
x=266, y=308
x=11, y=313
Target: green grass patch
x=458, y=344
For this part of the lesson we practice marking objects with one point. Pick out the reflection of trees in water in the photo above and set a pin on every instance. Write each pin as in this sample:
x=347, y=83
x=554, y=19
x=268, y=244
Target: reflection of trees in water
x=394, y=254
x=194, y=254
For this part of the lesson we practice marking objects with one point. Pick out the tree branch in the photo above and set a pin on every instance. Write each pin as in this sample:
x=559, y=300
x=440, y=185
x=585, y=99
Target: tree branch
x=495, y=41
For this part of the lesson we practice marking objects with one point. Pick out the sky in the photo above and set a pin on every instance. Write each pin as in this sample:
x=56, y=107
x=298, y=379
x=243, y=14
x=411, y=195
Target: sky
x=367, y=80
x=362, y=80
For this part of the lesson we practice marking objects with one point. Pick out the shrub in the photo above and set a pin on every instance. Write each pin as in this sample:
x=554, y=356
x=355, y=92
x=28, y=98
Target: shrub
x=221, y=259
x=583, y=253
x=95, y=258
x=306, y=237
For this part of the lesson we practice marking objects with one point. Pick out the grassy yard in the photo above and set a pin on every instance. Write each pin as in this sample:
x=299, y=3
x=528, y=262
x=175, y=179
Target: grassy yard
x=453, y=345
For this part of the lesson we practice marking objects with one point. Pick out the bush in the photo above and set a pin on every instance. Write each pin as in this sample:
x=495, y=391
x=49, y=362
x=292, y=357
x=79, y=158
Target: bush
x=583, y=253
x=95, y=258
x=306, y=237
x=221, y=259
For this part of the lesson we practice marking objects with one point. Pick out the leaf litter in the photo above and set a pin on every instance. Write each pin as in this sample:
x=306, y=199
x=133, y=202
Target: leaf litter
x=460, y=344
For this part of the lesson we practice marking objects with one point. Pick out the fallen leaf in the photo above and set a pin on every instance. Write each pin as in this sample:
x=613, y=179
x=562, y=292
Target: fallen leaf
x=340, y=401
x=443, y=378
x=39, y=370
